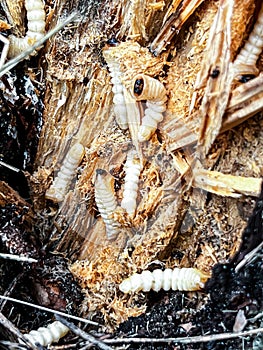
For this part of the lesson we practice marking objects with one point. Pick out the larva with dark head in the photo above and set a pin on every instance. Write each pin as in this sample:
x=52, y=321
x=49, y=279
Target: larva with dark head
x=61, y=183
x=132, y=169
x=245, y=62
x=35, y=28
x=154, y=92
x=117, y=88
x=106, y=202
x=45, y=336
x=182, y=279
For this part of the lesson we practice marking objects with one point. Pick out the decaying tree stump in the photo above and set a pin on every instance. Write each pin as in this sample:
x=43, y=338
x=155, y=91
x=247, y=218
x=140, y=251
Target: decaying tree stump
x=199, y=178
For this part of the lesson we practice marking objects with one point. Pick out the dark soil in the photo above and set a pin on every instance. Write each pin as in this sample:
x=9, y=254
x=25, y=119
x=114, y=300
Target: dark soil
x=170, y=314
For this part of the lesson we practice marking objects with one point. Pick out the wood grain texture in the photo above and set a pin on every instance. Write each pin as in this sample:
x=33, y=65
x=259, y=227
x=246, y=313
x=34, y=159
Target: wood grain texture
x=172, y=213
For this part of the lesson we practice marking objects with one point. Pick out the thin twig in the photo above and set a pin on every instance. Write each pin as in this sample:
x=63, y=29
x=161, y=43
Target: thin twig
x=9, y=325
x=10, y=289
x=186, y=340
x=247, y=258
x=255, y=318
x=11, y=345
x=17, y=258
x=55, y=312
x=14, y=61
x=83, y=334
x=11, y=167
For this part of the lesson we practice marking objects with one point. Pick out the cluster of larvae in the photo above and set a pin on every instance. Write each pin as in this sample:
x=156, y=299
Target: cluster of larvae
x=144, y=88
x=105, y=197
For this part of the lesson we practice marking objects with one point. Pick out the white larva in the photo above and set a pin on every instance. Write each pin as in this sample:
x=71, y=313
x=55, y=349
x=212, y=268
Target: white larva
x=132, y=169
x=45, y=336
x=117, y=89
x=61, y=183
x=35, y=28
x=106, y=202
x=154, y=92
x=182, y=279
x=245, y=62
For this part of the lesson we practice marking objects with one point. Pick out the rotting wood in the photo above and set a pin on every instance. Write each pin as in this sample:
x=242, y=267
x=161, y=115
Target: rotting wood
x=158, y=219
x=176, y=15
x=78, y=108
x=245, y=102
x=215, y=72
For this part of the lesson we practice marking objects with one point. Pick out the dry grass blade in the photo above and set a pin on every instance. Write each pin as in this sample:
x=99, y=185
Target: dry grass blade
x=251, y=255
x=55, y=312
x=177, y=15
x=172, y=9
x=83, y=334
x=14, y=61
x=7, y=324
x=216, y=69
x=186, y=340
x=17, y=258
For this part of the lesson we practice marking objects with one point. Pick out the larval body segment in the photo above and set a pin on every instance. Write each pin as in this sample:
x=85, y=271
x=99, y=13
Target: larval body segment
x=154, y=92
x=120, y=110
x=106, y=202
x=181, y=279
x=61, y=183
x=132, y=169
x=45, y=336
x=245, y=62
x=35, y=28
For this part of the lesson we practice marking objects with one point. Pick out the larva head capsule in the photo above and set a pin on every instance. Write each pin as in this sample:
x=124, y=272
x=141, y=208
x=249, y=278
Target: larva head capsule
x=101, y=172
x=138, y=87
x=104, y=185
x=148, y=88
x=109, y=51
x=112, y=42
